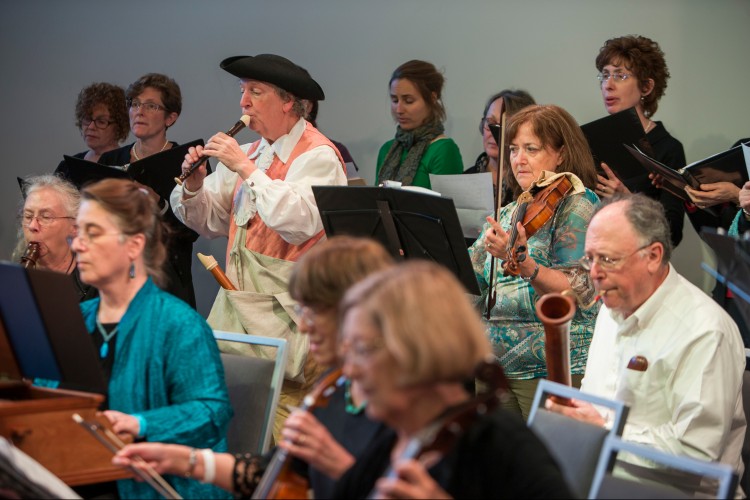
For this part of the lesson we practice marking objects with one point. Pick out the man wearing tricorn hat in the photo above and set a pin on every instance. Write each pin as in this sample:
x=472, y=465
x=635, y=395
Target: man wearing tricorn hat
x=260, y=197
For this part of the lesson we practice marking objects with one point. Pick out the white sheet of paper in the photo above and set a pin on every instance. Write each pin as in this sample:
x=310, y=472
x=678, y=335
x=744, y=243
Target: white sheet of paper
x=746, y=152
x=472, y=196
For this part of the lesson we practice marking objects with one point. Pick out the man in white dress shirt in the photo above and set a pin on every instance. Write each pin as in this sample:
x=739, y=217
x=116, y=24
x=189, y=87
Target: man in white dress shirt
x=260, y=197
x=660, y=344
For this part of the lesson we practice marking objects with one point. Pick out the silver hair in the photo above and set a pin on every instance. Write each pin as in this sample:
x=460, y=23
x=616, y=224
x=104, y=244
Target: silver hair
x=68, y=193
x=70, y=196
x=299, y=107
x=648, y=219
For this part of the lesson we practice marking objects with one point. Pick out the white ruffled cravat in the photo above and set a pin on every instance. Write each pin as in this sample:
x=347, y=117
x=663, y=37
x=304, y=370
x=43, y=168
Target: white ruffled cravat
x=244, y=200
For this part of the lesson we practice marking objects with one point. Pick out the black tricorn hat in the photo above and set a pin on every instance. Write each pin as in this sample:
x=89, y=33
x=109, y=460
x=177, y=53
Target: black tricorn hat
x=276, y=70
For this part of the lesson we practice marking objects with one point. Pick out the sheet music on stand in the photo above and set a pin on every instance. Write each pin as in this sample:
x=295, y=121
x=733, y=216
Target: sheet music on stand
x=472, y=195
x=409, y=224
x=732, y=266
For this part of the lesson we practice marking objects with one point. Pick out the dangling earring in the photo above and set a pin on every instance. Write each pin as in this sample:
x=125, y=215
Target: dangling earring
x=132, y=270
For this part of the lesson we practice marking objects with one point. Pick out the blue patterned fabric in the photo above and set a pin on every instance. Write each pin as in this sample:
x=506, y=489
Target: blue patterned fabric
x=167, y=369
x=516, y=334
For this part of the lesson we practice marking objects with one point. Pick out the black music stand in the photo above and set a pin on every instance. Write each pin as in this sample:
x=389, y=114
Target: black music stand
x=732, y=266
x=409, y=224
x=42, y=319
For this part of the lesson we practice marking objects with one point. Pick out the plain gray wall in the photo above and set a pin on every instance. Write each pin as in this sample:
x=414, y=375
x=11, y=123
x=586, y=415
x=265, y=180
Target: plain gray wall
x=51, y=49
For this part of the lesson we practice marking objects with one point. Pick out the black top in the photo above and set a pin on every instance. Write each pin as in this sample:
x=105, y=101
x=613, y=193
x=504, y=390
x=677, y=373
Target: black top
x=178, y=267
x=85, y=292
x=62, y=167
x=353, y=431
x=668, y=151
x=498, y=457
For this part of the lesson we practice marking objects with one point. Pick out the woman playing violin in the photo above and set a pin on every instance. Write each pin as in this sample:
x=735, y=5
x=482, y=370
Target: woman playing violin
x=411, y=337
x=543, y=141
x=326, y=440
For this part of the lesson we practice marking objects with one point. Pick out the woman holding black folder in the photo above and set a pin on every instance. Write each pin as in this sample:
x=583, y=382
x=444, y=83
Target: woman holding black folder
x=154, y=103
x=633, y=73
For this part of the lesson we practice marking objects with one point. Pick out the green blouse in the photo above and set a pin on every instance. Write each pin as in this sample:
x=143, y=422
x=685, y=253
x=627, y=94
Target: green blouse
x=442, y=157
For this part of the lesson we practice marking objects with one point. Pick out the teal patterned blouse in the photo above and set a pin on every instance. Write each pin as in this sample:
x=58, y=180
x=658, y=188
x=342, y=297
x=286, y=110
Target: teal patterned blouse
x=516, y=334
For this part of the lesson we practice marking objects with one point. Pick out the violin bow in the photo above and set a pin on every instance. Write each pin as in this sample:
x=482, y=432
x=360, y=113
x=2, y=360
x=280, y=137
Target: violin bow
x=110, y=441
x=492, y=293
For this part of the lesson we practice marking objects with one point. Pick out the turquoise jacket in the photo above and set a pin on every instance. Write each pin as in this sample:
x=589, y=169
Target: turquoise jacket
x=167, y=371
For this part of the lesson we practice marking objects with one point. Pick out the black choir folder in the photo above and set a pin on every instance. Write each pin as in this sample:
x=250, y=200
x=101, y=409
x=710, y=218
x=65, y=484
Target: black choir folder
x=156, y=171
x=727, y=166
x=409, y=224
x=607, y=138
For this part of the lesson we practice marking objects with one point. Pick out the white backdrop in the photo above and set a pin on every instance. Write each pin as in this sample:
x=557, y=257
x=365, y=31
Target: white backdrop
x=50, y=49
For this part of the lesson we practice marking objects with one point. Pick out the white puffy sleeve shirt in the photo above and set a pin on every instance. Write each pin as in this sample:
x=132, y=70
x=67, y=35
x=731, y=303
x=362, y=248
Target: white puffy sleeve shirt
x=286, y=206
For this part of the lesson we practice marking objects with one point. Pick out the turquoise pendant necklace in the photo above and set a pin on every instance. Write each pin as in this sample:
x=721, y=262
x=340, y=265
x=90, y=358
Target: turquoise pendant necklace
x=351, y=408
x=104, y=349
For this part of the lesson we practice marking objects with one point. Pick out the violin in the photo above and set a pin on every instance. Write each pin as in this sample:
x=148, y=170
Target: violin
x=534, y=209
x=442, y=434
x=279, y=481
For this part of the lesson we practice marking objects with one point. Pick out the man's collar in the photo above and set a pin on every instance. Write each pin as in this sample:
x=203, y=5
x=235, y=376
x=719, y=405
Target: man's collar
x=284, y=145
x=653, y=303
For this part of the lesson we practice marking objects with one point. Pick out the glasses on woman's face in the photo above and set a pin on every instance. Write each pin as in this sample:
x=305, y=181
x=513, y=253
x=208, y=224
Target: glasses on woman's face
x=90, y=237
x=616, y=77
x=309, y=314
x=607, y=263
x=486, y=123
x=149, y=107
x=44, y=220
x=359, y=352
x=100, y=123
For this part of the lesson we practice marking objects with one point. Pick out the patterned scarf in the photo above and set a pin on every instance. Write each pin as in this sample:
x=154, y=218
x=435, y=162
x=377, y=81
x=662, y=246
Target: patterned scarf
x=415, y=142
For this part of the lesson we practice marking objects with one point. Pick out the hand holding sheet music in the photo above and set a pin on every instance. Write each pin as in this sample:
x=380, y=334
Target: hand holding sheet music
x=730, y=166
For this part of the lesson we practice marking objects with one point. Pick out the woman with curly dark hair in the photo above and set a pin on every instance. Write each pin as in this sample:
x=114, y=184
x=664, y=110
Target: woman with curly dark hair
x=634, y=73
x=102, y=119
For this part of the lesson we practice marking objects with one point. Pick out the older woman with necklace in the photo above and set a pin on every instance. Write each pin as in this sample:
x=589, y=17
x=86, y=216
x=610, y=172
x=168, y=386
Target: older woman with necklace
x=47, y=219
x=162, y=364
x=154, y=102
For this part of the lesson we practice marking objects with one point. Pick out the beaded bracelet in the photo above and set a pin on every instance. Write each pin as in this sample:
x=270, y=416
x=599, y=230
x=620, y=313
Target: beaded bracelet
x=192, y=460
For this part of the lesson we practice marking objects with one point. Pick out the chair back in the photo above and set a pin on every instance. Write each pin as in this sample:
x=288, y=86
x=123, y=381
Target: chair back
x=666, y=476
x=254, y=386
x=575, y=445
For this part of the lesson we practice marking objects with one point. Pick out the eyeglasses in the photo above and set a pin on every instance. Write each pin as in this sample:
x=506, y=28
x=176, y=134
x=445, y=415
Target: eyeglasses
x=604, y=76
x=359, y=352
x=486, y=123
x=90, y=237
x=309, y=314
x=607, y=263
x=43, y=220
x=529, y=149
x=100, y=123
x=150, y=107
